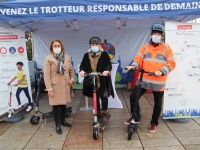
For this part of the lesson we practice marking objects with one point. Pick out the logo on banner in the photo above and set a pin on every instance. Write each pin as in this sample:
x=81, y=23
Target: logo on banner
x=197, y=67
x=8, y=37
x=170, y=89
x=175, y=94
x=183, y=102
x=3, y=50
x=184, y=27
x=12, y=50
x=20, y=50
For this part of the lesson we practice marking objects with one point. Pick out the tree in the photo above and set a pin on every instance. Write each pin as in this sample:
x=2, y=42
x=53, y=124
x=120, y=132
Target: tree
x=28, y=38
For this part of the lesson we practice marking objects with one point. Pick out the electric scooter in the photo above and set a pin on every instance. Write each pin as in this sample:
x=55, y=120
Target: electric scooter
x=98, y=124
x=11, y=110
x=38, y=114
x=132, y=128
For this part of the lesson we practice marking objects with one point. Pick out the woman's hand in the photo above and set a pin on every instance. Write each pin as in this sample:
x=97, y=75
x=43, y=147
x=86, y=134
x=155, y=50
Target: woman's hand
x=71, y=82
x=82, y=73
x=158, y=73
x=50, y=93
x=106, y=73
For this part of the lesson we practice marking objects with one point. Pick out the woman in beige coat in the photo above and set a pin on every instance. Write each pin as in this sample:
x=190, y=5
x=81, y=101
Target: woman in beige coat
x=58, y=77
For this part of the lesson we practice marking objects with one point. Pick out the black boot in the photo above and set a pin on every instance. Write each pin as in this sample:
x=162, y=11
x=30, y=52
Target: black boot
x=58, y=129
x=64, y=123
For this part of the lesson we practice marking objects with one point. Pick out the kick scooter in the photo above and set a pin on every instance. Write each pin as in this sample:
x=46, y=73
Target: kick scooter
x=38, y=114
x=11, y=110
x=132, y=128
x=98, y=124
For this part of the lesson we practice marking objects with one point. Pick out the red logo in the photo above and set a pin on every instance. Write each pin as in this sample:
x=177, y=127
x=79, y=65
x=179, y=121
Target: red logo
x=3, y=50
x=8, y=37
x=198, y=79
x=20, y=50
x=184, y=27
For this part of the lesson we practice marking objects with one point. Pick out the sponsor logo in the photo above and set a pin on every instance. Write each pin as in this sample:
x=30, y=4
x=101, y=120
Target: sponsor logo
x=20, y=50
x=175, y=94
x=184, y=27
x=196, y=74
x=197, y=67
x=8, y=37
x=3, y=50
x=183, y=102
x=193, y=46
x=12, y=50
x=170, y=89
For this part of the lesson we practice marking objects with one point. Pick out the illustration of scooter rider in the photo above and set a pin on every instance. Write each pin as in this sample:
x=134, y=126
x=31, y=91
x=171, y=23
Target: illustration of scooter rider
x=22, y=86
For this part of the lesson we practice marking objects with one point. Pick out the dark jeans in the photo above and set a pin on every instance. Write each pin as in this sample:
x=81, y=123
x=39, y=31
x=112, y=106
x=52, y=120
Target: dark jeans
x=104, y=102
x=59, y=113
x=157, y=104
x=19, y=90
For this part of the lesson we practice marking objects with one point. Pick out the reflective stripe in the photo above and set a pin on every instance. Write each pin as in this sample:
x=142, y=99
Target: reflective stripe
x=170, y=58
x=164, y=50
x=135, y=64
x=155, y=60
x=154, y=81
x=139, y=54
x=166, y=69
x=147, y=55
x=161, y=57
x=152, y=86
x=146, y=49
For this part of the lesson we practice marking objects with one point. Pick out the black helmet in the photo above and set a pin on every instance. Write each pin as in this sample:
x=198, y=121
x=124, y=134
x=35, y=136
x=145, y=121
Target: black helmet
x=157, y=27
x=20, y=63
x=95, y=39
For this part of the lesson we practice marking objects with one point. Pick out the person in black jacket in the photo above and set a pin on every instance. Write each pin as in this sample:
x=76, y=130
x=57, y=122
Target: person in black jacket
x=97, y=60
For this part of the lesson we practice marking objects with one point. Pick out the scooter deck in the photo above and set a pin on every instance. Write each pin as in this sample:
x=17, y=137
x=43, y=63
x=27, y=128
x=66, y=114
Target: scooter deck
x=23, y=107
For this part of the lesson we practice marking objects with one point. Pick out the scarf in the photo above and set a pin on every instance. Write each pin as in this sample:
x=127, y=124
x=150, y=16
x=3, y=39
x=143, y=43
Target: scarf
x=60, y=59
x=93, y=62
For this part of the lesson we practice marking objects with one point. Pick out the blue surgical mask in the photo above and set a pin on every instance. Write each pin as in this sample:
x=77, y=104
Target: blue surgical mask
x=95, y=48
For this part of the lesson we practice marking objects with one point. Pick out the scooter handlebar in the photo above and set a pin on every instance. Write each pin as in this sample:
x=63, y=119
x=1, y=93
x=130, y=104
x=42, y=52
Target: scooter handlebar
x=93, y=74
x=142, y=70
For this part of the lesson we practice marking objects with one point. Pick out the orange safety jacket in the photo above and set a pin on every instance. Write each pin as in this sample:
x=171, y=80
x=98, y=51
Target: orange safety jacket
x=154, y=58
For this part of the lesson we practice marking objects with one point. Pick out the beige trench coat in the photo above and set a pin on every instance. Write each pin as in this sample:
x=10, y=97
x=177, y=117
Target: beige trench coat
x=58, y=82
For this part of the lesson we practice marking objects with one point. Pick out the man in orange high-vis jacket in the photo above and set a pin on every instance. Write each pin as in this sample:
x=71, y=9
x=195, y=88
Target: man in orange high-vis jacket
x=154, y=56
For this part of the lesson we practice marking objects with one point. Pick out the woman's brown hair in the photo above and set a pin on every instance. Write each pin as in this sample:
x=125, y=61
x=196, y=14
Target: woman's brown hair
x=56, y=40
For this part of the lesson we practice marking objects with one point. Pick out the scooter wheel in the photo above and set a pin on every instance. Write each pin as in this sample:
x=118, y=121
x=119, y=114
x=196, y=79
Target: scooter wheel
x=130, y=133
x=95, y=133
x=34, y=120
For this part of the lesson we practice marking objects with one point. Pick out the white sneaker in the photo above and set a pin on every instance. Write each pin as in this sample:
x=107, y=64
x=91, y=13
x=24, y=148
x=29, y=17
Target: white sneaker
x=135, y=122
x=18, y=107
x=28, y=108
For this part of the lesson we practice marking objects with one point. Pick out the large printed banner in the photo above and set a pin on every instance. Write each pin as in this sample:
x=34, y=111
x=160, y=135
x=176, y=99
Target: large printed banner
x=182, y=92
x=41, y=9
x=12, y=51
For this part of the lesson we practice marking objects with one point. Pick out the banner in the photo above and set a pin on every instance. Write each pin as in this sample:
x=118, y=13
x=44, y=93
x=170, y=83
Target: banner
x=41, y=9
x=13, y=51
x=182, y=92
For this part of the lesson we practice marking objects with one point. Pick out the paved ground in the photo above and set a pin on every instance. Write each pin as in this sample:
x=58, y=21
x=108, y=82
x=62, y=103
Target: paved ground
x=169, y=135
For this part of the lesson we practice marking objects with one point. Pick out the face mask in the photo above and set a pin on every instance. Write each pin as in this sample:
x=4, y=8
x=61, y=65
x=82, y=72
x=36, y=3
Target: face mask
x=57, y=50
x=156, y=38
x=95, y=48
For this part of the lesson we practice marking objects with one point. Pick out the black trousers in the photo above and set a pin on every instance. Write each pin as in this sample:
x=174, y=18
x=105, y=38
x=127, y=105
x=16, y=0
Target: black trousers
x=59, y=113
x=157, y=104
x=104, y=102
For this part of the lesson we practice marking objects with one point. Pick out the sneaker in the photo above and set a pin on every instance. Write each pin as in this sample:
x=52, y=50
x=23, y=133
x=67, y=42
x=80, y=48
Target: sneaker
x=28, y=108
x=152, y=128
x=128, y=121
x=18, y=107
x=135, y=121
